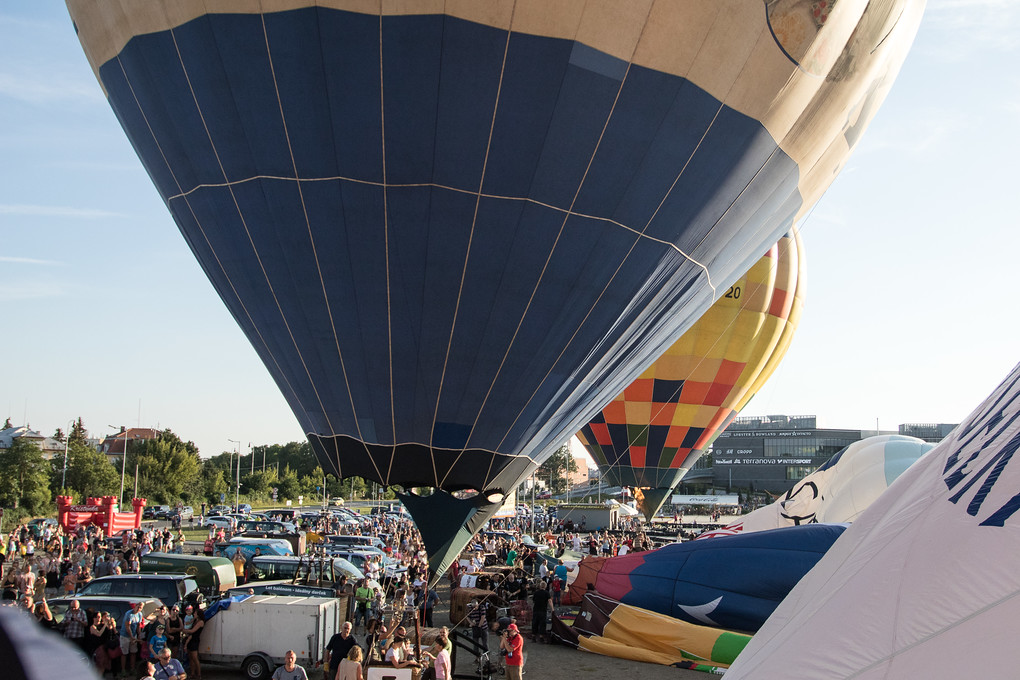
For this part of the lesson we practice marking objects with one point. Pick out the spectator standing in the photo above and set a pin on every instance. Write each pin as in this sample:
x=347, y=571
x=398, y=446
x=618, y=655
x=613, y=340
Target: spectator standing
x=131, y=631
x=350, y=667
x=428, y=604
x=337, y=649
x=540, y=614
x=478, y=617
x=512, y=643
x=167, y=667
x=290, y=670
x=75, y=622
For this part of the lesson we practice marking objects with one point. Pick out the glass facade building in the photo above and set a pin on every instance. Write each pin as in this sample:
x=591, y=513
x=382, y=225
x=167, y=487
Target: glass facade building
x=772, y=453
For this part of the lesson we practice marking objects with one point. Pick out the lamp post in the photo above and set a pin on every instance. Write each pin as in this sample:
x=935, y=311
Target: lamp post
x=237, y=489
x=123, y=463
x=67, y=439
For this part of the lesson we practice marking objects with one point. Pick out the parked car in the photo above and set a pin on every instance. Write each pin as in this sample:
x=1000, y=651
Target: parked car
x=116, y=605
x=220, y=522
x=245, y=508
x=355, y=541
x=171, y=589
x=219, y=509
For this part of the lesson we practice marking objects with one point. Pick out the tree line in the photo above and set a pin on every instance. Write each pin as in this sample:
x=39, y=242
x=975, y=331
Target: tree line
x=166, y=470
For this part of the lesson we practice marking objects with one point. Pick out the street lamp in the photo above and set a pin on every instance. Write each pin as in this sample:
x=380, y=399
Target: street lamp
x=123, y=464
x=67, y=439
x=237, y=489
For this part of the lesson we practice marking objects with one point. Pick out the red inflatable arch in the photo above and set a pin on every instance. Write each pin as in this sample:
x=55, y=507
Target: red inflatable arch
x=99, y=511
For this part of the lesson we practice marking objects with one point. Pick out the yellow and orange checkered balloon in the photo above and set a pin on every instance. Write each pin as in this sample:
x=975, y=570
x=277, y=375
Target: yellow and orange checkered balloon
x=653, y=432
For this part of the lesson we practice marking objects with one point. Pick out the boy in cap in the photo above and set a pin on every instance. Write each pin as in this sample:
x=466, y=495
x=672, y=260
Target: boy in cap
x=158, y=640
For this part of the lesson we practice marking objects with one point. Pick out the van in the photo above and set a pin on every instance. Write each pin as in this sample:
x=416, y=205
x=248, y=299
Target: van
x=170, y=588
x=350, y=540
x=305, y=569
x=359, y=558
x=214, y=575
x=247, y=547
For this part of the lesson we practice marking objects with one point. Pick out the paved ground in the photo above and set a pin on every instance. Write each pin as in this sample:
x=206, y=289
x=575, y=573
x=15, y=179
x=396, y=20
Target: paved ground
x=542, y=661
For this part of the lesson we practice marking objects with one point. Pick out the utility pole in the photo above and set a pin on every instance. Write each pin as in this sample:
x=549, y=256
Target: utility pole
x=237, y=489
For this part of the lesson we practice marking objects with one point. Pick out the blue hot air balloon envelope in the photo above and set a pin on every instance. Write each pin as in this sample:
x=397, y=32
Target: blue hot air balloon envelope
x=453, y=237
x=731, y=582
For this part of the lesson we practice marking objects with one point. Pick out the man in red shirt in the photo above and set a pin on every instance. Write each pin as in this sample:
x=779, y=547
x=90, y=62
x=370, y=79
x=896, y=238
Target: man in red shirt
x=513, y=644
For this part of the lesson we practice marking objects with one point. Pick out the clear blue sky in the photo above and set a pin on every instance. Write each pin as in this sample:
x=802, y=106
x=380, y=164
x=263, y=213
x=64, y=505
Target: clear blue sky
x=911, y=254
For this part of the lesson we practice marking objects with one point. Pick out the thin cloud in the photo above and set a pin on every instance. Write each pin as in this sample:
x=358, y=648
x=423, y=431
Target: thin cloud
x=991, y=26
x=29, y=291
x=56, y=211
x=27, y=260
x=44, y=88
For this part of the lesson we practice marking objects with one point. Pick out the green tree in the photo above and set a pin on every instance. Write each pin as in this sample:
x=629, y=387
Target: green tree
x=213, y=482
x=168, y=469
x=556, y=467
x=24, y=477
x=290, y=485
x=89, y=472
x=258, y=485
x=78, y=431
x=59, y=435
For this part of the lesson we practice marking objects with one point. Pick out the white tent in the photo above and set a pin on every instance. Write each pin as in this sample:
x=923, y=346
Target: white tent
x=924, y=584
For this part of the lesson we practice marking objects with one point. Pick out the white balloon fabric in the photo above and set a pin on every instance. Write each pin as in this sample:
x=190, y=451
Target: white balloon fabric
x=925, y=583
x=839, y=490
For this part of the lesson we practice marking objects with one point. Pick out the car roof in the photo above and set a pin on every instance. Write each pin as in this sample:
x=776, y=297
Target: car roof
x=108, y=598
x=126, y=577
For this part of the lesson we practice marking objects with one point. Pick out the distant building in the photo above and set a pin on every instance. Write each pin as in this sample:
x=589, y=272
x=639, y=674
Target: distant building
x=49, y=446
x=772, y=453
x=929, y=432
x=580, y=476
x=114, y=445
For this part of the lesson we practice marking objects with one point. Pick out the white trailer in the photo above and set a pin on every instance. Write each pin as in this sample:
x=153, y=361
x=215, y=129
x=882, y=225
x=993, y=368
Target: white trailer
x=255, y=633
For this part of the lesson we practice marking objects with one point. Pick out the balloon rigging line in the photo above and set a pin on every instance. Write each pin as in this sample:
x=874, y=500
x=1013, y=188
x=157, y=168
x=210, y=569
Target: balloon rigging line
x=386, y=249
x=463, y=275
x=773, y=268
x=244, y=225
x=705, y=237
x=308, y=225
x=479, y=194
x=647, y=224
x=545, y=266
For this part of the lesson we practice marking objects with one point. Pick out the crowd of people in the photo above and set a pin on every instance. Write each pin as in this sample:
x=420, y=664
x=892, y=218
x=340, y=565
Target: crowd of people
x=45, y=561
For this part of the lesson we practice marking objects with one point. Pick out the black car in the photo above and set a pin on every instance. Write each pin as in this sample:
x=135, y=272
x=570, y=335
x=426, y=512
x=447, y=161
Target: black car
x=170, y=588
x=116, y=605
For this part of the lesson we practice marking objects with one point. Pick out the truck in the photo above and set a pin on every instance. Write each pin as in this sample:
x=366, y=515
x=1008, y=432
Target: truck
x=254, y=632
